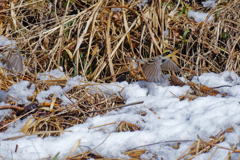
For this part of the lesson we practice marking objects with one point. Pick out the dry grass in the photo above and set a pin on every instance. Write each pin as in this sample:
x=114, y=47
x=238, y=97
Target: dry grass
x=87, y=38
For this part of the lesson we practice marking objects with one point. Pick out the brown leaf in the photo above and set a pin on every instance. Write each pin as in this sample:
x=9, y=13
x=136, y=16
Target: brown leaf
x=230, y=129
x=204, y=89
x=45, y=42
x=175, y=81
x=126, y=126
x=135, y=153
x=176, y=146
x=143, y=113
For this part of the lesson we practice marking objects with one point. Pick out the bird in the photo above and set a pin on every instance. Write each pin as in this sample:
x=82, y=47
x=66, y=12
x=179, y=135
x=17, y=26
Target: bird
x=152, y=68
x=12, y=60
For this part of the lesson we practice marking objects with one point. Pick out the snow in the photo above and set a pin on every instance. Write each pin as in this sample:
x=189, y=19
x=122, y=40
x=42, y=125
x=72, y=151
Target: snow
x=168, y=119
x=53, y=74
x=19, y=91
x=166, y=32
x=198, y=16
x=4, y=42
x=209, y=3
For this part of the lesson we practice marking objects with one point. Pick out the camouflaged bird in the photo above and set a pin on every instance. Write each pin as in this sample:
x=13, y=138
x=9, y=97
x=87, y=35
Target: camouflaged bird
x=152, y=68
x=12, y=60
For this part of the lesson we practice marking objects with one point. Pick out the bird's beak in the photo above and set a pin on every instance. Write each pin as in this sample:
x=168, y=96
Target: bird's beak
x=166, y=51
x=166, y=54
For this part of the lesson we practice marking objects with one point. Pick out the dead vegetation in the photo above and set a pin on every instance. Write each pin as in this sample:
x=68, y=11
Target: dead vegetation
x=93, y=39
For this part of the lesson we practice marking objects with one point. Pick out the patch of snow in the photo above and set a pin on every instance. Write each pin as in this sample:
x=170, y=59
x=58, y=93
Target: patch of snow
x=53, y=74
x=4, y=42
x=167, y=119
x=209, y=3
x=166, y=32
x=198, y=16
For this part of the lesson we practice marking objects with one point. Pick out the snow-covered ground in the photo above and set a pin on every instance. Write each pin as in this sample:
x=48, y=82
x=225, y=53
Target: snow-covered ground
x=169, y=119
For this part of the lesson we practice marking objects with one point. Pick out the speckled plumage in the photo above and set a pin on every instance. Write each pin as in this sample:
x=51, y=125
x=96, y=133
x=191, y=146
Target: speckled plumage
x=12, y=60
x=152, y=68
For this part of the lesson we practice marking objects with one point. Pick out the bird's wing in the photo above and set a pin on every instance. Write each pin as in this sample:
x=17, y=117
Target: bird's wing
x=152, y=71
x=15, y=62
x=169, y=65
x=139, y=60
